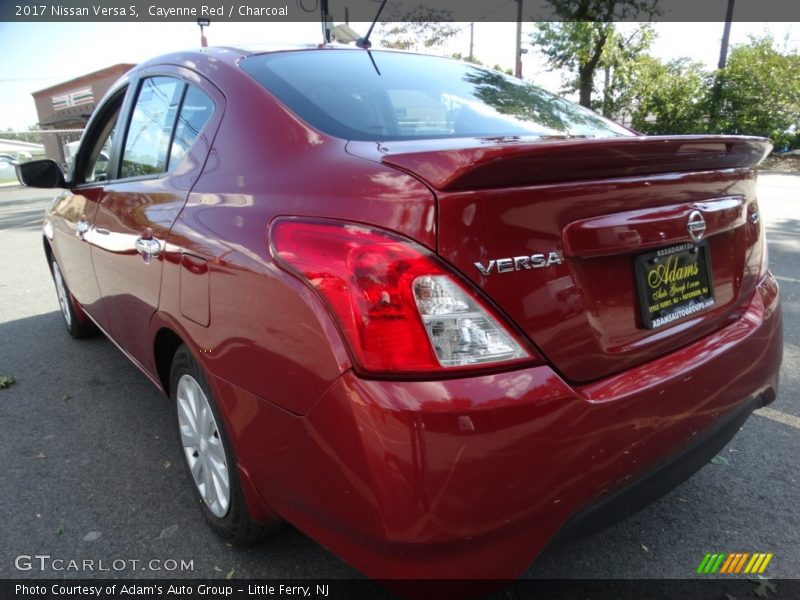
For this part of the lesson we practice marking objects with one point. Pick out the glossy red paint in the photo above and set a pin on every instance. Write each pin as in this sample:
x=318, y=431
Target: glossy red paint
x=645, y=229
x=456, y=478
x=482, y=163
x=463, y=475
x=578, y=313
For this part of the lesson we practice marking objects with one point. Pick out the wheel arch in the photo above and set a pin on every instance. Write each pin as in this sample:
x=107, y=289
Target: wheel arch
x=165, y=345
x=48, y=251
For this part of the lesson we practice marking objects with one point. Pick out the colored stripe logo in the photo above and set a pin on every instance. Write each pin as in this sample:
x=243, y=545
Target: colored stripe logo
x=737, y=562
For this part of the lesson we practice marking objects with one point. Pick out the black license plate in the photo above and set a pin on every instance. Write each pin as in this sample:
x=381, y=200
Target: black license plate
x=673, y=283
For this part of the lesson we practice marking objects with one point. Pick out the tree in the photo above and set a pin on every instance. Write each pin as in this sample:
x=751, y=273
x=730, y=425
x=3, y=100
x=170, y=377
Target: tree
x=578, y=40
x=667, y=98
x=419, y=28
x=619, y=63
x=474, y=60
x=757, y=93
x=575, y=47
x=760, y=91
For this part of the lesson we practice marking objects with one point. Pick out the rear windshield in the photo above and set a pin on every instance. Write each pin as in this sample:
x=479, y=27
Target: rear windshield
x=409, y=96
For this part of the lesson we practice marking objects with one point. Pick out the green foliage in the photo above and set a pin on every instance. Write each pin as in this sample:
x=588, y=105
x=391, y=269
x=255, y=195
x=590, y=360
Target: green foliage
x=474, y=60
x=577, y=42
x=604, y=10
x=619, y=62
x=420, y=28
x=575, y=47
x=666, y=98
x=760, y=92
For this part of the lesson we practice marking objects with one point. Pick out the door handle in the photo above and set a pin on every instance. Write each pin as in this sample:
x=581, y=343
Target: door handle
x=82, y=227
x=148, y=248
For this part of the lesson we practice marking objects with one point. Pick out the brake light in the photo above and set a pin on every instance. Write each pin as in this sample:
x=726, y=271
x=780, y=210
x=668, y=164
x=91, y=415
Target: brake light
x=399, y=309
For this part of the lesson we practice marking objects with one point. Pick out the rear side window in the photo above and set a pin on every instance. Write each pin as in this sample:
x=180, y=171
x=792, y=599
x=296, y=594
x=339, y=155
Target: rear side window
x=147, y=143
x=167, y=119
x=408, y=96
x=196, y=111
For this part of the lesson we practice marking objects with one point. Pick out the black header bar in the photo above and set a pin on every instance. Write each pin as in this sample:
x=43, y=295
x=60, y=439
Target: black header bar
x=365, y=10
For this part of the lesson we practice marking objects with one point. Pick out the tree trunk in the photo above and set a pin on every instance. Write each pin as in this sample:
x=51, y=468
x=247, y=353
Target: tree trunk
x=586, y=72
x=607, y=94
x=585, y=83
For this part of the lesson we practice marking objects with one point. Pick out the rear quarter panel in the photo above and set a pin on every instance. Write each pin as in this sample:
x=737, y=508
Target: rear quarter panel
x=267, y=331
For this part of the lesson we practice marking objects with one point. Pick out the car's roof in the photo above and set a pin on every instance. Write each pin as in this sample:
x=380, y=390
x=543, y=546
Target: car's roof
x=232, y=54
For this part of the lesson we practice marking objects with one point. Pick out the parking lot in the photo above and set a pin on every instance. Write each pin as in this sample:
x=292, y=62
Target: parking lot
x=91, y=463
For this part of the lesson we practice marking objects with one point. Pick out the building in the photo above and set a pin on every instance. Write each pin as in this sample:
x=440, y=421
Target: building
x=65, y=108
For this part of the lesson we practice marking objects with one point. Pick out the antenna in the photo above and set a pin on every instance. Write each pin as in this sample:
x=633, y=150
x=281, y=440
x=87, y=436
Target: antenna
x=203, y=23
x=364, y=42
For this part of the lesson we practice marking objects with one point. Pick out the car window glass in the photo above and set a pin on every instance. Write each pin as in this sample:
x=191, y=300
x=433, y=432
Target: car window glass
x=147, y=142
x=93, y=153
x=344, y=94
x=417, y=113
x=98, y=171
x=196, y=110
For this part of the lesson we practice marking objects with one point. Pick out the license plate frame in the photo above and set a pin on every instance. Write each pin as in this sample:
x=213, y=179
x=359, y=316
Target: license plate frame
x=669, y=286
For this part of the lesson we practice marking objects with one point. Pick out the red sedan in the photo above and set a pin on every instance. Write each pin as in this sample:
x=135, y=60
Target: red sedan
x=433, y=316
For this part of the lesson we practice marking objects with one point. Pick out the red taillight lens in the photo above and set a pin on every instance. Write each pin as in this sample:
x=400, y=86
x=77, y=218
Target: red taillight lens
x=367, y=277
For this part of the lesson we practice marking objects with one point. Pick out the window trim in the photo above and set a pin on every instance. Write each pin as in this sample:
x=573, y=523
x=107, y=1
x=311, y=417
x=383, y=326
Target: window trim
x=93, y=130
x=201, y=84
x=132, y=82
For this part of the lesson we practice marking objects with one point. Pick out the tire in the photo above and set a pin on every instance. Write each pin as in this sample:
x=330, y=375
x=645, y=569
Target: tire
x=208, y=455
x=78, y=324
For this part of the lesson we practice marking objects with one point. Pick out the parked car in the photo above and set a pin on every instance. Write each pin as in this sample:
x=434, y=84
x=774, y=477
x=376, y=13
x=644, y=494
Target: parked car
x=433, y=316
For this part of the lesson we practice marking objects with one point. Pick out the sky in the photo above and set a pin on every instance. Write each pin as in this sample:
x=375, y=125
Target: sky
x=39, y=55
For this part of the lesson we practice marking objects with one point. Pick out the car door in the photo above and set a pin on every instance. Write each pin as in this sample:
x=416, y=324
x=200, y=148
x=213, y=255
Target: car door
x=164, y=146
x=69, y=219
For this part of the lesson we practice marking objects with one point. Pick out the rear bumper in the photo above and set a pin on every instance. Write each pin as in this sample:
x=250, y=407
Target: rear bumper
x=473, y=478
x=661, y=479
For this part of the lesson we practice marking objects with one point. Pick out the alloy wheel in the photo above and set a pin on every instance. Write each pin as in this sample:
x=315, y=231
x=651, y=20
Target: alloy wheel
x=202, y=446
x=63, y=295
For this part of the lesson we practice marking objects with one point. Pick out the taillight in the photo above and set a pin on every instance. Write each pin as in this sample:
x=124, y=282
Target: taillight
x=400, y=310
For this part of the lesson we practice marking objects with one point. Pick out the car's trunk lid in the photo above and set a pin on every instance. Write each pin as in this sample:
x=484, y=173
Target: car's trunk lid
x=582, y=211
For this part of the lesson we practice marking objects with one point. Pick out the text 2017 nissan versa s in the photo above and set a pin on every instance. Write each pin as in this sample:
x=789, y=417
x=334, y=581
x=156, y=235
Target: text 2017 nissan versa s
x=431, y=315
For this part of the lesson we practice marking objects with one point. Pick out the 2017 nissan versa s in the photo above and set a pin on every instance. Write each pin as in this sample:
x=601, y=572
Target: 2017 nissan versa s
x=431, y=315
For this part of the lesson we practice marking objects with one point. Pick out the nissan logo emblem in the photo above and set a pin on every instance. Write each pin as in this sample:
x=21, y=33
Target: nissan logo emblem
x=696, y=226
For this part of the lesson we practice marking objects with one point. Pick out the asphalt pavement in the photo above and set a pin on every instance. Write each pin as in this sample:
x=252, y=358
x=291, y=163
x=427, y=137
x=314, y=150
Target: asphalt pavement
x=91, y=465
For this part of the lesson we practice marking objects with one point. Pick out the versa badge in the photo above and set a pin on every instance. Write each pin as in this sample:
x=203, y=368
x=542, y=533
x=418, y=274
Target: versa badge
x=519, y=263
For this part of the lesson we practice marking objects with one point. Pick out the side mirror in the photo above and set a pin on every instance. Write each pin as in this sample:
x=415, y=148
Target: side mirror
x=43, y=173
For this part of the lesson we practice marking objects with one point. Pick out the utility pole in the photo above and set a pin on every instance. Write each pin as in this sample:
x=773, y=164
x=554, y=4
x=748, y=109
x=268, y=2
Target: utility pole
x=716, y=91
x=471, y=39
x=726, y=35
x=518, y=63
